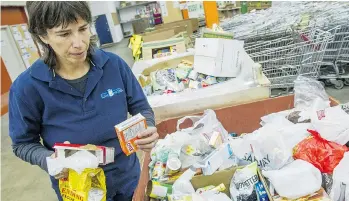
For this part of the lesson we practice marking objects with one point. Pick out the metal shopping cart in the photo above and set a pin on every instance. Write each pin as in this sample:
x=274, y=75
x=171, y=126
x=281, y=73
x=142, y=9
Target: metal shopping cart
x=282, y=64
x=336, y=70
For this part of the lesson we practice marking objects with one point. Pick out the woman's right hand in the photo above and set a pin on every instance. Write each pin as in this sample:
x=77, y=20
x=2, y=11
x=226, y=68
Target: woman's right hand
x=64, y=173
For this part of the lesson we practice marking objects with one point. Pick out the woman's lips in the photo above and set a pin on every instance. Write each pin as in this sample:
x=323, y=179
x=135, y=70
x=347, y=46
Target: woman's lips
x=77, y=54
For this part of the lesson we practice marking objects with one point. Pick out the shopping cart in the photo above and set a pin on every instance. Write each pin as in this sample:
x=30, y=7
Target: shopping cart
x=336, y=71
x=283, y=64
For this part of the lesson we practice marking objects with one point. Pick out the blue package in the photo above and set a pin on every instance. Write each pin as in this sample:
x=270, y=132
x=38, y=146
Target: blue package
x=261, y=192
x=233, y=134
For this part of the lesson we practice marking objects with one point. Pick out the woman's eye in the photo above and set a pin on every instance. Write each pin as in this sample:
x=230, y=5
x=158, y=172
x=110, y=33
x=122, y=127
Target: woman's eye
x=83, y=29
x=65, y=35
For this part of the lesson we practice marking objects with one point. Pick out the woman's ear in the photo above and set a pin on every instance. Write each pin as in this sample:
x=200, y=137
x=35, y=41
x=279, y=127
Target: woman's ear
x=43, y=39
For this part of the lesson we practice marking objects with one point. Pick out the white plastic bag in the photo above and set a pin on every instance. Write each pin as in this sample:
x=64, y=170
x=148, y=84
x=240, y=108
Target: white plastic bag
x=242, y=185
x=183, y=185
x=78, y=162
x=341, y=180
x=307, y=90
x=295, y=180
x=332, y=123
x=270, y=149
x=211, y=196
x=241, y=147
x=291, y=134
x=204, y=125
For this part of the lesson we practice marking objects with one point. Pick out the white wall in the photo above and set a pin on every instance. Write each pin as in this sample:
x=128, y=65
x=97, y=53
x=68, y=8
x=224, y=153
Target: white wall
x=12, y=3
x=127, y=14
x=107, y=8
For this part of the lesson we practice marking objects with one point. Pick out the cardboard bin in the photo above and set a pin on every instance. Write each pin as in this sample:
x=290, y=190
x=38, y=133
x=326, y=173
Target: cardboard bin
x=244, y=118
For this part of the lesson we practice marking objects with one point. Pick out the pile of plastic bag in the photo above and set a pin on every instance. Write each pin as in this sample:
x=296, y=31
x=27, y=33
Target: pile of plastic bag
x=177, y=79
x=298, y=154
x=85, y=182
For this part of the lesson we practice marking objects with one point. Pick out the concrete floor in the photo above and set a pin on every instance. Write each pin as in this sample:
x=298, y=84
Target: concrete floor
x=21, y=181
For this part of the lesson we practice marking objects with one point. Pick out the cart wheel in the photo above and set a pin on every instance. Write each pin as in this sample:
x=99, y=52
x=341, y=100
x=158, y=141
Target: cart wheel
x=346, y=82
x=328, y=83
x=339, y=84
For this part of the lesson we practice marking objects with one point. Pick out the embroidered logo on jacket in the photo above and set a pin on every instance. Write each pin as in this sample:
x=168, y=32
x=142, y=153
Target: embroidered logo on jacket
x=110, y=93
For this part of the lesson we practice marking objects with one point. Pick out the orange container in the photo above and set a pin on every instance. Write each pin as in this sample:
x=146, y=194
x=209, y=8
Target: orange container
x=127, y=132
x=244, y=118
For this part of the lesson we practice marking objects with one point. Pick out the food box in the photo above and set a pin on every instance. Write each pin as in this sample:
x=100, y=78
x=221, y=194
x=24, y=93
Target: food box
x=127, y=132
x=105, y=155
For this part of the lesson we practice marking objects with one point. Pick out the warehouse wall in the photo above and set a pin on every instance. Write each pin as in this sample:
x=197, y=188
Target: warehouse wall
x=109, y=9
x=10, y=15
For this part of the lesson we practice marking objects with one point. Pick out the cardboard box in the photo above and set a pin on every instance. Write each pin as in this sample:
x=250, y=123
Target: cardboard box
x=216, y=96
x=158, y=35
x=219, y=57
x=152, y=50
x=163, y=33
x=170, y=12
x=128, y=131
x=105, y=155
x=191, y=24
x=139, y=26
x=223, y=176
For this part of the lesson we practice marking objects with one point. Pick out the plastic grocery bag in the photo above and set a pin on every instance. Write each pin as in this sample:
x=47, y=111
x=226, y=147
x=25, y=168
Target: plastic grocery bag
x=243, y=182
x=78, y=162
x=295, y=180
x=323, y=154
x=332, y=124
x=266, y=146
x=242, y=149
x=204, y=125
x=87, y=186
x=341, y=180
x=86, y=182
x=307, y=91
x=270, y=149
x=182, y=185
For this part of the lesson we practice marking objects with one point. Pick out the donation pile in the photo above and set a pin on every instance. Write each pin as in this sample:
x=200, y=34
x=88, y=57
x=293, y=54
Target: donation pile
x=177, y=79
x=298, y=154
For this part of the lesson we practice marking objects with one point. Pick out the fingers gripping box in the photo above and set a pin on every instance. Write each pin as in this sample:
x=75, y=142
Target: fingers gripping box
x=105, y=155
x=127, y=132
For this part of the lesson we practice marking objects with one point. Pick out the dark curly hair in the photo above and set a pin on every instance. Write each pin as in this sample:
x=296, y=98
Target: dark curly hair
x=45, y=15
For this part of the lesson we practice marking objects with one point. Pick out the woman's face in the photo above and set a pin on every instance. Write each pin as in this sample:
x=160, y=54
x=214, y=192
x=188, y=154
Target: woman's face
x=71, y=43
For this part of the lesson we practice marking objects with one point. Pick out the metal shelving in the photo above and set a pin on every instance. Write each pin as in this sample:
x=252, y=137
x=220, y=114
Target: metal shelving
x=138, y=4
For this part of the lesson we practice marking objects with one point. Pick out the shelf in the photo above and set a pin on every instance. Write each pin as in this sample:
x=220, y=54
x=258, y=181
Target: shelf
x=133, y=20
x=139, y=4
x=129, y=35
x=228, y=9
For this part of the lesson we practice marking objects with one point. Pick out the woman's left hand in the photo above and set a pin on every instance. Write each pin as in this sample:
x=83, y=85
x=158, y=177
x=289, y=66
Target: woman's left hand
x=147, y=139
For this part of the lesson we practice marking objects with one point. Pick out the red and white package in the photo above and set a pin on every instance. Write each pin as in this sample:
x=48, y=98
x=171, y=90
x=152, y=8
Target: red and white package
x=105, y=155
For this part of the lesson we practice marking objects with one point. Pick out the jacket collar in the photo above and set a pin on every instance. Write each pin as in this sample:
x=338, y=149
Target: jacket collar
x=41, y=71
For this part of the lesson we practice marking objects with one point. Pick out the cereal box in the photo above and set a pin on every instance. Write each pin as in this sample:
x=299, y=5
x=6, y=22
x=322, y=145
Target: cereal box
x=105, y=155
x=127, y=132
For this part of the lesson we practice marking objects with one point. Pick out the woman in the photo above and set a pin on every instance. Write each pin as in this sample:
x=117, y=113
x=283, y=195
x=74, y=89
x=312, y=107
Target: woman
x=62, y=96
